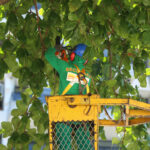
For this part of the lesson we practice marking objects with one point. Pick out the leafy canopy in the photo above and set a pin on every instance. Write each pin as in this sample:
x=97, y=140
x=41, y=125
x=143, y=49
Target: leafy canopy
x=120, y=26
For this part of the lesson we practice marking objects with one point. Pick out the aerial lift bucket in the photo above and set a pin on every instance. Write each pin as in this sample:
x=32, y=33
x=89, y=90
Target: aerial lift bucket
x=74, y=119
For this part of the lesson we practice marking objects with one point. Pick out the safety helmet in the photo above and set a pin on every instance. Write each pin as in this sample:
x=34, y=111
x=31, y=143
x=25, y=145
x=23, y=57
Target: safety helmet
x=79, y=50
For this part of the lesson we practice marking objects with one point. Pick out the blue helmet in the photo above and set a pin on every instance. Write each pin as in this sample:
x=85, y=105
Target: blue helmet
x=79, y=50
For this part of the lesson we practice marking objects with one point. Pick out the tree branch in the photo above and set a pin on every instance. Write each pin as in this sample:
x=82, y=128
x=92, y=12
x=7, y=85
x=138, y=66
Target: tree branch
x=110, y=60
x=124, y=53
x=39, y=29
x=106, y=113
x=46, y=32
x=122, y=57
x=123, y=135
x=119, y=2
x=111, y=26
x=2, y=2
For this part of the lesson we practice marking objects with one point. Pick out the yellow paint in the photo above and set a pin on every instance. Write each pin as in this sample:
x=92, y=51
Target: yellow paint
x=132, y=122
x=87, y=89
x=139, y=104
x=139, y=113
x=50, y=135
x=60, y=110
x=96, y=130
x=88, y=108
x=127, y=115
x=67, y=89
x=138, y=121
x=111, y=123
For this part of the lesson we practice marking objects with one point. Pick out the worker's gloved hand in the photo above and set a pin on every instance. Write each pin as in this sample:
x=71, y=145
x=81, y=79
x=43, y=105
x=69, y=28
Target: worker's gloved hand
x=62, y=55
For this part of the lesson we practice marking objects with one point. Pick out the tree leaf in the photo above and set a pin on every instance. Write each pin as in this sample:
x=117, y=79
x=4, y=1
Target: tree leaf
x=10, y=60
x=102, y=133
x=3, y=68
x=36, y=147
x=70, y=25
x=142, y=80
x=72, y=17
x=132, y=146
x=115, y=140
x=41, y=11
x=15, y=121
x=7, y=126
x=2, y=147
x=111, y=83
x=74, y=5
x=12, y=20
x=146, y=2
x=16, y=112
x=7, y=45
x=24, y=138
x=146, y=38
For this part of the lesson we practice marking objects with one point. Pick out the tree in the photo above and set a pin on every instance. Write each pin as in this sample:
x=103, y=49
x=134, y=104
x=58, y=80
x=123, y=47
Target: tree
x=120, y=26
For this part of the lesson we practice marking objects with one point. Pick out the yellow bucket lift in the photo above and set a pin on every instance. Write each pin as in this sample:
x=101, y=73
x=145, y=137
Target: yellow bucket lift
x=79, y=110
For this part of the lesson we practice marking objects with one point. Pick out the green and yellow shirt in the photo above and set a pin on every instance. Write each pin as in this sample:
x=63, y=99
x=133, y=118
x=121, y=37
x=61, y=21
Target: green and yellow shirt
x=67, y=72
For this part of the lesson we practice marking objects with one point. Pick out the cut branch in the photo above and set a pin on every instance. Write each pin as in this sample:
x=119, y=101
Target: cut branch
x=39, y=29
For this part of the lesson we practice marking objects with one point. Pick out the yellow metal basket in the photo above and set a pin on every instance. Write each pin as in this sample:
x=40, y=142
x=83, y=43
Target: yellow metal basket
x=74, y=119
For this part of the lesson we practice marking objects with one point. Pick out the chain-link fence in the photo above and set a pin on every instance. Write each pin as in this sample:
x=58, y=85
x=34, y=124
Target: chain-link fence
x=73, y=135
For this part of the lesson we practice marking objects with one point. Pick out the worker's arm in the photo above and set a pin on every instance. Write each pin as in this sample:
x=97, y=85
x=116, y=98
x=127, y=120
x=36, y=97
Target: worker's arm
x=53, y=60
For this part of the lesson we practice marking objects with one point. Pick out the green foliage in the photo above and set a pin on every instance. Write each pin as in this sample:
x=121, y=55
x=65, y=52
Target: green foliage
x=2, y=147
x=102, y=133
x=19, y=129
x=116, y=111
x=121, y=27
x=3, y=68
x=115, y=140
x=74, y=5
x=134, y=137
x=7, y=126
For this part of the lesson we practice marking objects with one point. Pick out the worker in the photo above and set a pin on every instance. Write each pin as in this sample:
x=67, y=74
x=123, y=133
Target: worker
x=73, y=80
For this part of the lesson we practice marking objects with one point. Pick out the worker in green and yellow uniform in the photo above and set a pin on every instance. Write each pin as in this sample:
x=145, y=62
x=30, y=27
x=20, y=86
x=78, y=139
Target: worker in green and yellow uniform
x=72, y=78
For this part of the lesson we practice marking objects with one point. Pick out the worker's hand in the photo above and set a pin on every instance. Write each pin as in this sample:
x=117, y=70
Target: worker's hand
x=61, y=55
